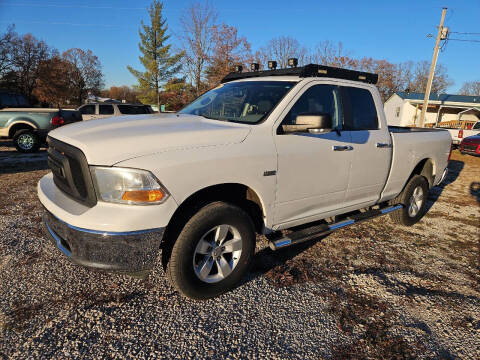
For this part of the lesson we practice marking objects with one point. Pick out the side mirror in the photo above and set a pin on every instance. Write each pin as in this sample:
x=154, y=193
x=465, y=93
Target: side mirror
x=317, y=123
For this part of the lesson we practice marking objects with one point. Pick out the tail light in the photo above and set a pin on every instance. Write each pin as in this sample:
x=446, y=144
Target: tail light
x=57, y=120
x=478, y=149
x=460, y=133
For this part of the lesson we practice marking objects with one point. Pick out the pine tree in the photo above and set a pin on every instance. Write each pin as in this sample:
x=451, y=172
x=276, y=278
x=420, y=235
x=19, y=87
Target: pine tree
x=160, y=65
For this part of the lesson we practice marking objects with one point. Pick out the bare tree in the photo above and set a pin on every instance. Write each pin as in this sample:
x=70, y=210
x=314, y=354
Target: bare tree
x=418, y=82
x=471, y=88
x=229, y=49
x=7, y=44
x=198, y=23
x=331, y=54
x=281, y=49
x=27, y=54
x=85, y=73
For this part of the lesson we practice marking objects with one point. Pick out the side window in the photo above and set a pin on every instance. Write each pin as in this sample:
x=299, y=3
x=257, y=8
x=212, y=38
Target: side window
x=132, y=109
x=317, y=99
x=476, y=126
x=105, y=109
x=359, y=109
x=88, y=110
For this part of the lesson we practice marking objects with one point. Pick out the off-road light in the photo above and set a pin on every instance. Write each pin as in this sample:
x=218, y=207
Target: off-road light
x=293, y=62
x=272, y=65
x=254, y=66
x=238, y=68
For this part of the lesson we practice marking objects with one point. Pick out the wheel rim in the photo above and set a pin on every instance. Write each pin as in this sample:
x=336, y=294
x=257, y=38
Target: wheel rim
x=217, y=253
x=25, y=141
x=416, y=202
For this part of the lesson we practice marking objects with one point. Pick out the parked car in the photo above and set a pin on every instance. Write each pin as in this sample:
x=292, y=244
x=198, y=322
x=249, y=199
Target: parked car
x=459, y=134
x=471, y=145
x=103, y=110
x=28, y=127
x=306, y=149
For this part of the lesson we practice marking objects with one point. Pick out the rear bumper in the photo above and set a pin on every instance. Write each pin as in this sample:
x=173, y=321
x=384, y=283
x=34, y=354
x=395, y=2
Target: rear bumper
x=129, y=252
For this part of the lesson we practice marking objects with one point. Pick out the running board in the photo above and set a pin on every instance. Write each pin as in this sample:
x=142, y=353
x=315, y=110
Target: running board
x=315, y=231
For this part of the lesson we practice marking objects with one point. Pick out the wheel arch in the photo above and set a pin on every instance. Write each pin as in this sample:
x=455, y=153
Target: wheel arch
x=20, y=125
x=239, y=194
x=425, y=168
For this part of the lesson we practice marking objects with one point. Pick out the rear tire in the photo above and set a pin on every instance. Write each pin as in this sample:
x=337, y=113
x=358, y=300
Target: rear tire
x=26, y=141
x=414, y=198
x=213, y=252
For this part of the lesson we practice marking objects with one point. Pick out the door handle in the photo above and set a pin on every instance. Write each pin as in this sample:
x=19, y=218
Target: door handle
x=342, y=148
x=383, y=145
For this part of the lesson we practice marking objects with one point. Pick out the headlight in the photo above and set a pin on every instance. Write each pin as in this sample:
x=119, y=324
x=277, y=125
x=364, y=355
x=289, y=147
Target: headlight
x=127, y=186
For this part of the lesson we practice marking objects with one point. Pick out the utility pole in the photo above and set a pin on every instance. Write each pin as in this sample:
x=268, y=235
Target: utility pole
x=432, y=69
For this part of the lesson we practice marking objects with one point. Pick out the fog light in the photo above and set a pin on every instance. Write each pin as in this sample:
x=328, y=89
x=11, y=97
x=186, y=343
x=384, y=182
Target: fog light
x=293, y=62
x=238, y=68
x=254, y=66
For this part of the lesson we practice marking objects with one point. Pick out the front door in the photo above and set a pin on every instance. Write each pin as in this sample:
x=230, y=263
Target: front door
x=313, y=169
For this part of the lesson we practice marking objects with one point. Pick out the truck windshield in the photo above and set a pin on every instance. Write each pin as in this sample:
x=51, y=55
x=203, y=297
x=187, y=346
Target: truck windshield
x=246, y=102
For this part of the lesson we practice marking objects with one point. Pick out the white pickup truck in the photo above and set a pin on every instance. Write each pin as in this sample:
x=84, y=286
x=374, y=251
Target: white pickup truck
x=459, y=134
x=265, y=151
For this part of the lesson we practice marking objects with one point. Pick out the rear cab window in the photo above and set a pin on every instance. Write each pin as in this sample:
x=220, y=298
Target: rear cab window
x=360, y=112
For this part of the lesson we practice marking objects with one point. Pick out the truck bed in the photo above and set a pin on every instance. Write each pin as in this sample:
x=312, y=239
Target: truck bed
x=402, y=129
x=411, y=146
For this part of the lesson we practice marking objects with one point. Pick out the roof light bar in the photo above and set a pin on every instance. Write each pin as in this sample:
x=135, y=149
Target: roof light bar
x=311, y=70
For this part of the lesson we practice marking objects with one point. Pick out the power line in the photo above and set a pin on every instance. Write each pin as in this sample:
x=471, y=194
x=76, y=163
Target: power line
x=464, y=33
x=465, y=40
x=72, y=6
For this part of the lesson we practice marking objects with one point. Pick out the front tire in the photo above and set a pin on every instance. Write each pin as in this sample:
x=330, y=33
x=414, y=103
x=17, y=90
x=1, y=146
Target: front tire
x=26, y=141
x=414, y=198
x=213, y=251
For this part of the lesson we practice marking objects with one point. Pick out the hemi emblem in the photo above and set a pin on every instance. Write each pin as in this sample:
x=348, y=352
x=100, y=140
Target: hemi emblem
x=270, y=173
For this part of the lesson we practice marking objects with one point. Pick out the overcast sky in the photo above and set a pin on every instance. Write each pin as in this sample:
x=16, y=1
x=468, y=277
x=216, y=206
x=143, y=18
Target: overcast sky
x=392, y=30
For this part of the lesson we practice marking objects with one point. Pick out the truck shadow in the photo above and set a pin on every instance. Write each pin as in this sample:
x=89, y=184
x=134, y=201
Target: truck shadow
x=12, y=161
x=455, y=167
x=267, y=260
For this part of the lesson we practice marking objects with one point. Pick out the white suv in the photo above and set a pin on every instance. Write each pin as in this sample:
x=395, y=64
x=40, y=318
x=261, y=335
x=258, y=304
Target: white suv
x=100, y=111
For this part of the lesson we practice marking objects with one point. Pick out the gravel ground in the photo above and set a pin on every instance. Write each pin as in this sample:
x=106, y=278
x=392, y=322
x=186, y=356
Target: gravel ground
x=375, y=290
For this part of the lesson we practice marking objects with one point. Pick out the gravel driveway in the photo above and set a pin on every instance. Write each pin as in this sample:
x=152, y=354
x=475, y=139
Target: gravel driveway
x=375, y=290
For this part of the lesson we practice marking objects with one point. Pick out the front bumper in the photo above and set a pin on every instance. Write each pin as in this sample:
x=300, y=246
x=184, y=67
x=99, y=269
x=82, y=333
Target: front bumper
x=129, y=252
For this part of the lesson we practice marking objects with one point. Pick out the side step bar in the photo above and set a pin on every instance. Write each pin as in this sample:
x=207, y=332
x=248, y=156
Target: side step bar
x=315, y=231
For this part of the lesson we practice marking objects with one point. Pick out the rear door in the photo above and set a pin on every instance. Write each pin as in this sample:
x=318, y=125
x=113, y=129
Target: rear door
x=371, y=142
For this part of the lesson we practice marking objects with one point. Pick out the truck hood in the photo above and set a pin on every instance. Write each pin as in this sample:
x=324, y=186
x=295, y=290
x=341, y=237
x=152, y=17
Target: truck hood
x=111, y=140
